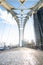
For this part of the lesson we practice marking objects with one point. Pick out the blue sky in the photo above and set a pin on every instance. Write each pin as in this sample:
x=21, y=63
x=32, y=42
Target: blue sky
x=8, y=27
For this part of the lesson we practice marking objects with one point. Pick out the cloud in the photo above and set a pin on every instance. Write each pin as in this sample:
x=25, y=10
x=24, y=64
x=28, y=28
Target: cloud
x=10, y=33
x=7, y=17
x=29, y=34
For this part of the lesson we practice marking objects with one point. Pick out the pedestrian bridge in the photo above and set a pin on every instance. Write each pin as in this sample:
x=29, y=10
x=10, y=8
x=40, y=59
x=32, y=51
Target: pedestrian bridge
x=22, y=10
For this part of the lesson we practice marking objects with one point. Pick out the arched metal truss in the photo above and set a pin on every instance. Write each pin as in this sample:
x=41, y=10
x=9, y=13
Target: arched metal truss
x=21, y=21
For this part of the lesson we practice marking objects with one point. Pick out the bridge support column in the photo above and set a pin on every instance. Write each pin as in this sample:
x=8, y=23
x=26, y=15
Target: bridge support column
x=38, y=25
x=21, y=32
x=40, y=18
x=37, y=31
x=21, y=36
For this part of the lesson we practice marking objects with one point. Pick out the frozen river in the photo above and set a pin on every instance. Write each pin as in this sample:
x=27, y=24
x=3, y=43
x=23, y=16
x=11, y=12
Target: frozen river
x=21, y=56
